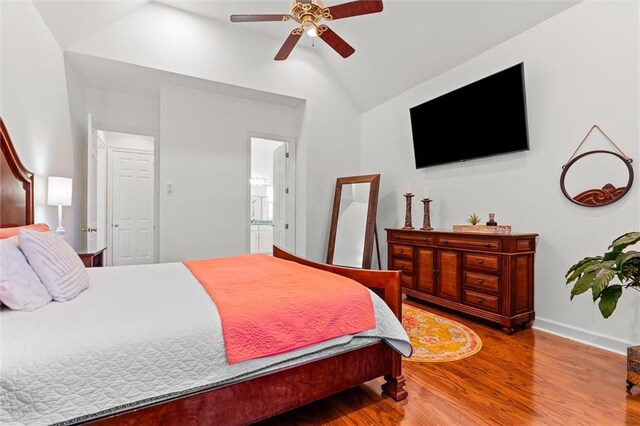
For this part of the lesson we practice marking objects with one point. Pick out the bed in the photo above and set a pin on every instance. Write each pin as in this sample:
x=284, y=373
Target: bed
x=241, y=396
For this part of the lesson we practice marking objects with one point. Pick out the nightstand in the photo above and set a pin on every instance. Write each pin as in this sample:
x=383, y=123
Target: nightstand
x=91, y=257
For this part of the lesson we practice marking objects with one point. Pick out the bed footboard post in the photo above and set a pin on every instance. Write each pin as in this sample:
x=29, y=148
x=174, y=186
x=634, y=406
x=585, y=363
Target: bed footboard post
x=395, y=382
x=394, y=387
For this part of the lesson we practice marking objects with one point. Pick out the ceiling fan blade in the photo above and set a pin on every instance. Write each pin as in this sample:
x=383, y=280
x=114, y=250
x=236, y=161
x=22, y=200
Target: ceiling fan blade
x=289, y=44
x=335, y=41
x=259, y=18
x=354, y=8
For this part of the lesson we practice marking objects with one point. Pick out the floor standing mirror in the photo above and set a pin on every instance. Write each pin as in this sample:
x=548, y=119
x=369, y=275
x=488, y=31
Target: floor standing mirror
x=353, y=223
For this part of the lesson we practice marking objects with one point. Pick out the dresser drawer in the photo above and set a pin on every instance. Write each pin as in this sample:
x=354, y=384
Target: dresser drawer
x=489, y=262
x=406, y=266
x=398, y=250
x=412, y=238
x=474, y=243
x=406, y=280
x=488, y=282
x=482, y=301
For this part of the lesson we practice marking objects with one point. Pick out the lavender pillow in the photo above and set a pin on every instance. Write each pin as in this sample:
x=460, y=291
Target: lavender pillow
x=56, y=263
x=20, y=287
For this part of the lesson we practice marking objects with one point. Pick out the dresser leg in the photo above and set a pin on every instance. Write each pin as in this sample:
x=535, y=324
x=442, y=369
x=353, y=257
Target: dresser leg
x=629, y=385
x=508, y=330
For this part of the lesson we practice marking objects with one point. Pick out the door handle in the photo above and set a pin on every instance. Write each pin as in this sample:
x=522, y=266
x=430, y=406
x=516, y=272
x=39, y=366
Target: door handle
x=115, y=225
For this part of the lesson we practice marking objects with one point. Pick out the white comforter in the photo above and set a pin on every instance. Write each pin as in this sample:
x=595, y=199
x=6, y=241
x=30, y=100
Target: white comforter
x=138, y=334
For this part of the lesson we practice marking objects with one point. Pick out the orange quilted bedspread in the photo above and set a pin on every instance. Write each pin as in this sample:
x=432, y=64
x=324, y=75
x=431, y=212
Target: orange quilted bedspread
x=269, y=306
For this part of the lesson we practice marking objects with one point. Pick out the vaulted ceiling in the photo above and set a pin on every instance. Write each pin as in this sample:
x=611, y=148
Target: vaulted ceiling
x=408, y=43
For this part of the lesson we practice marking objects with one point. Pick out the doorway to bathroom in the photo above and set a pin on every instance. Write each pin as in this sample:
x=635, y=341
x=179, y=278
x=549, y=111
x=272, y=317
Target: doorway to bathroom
x=272, y=199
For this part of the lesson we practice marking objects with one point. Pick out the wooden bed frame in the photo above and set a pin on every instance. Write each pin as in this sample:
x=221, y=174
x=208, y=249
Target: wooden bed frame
x=254, y=399
x=16, y=185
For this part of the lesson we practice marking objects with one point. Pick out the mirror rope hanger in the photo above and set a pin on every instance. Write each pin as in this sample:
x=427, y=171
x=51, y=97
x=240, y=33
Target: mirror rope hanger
x=594, y=127
x=609, y=193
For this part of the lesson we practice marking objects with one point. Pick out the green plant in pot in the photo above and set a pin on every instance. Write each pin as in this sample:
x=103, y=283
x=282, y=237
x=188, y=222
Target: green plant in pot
x=474, y=219
x=597, y=273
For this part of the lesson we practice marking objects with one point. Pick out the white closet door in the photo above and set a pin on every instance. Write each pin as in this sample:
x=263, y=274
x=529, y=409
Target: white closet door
x=132, y=208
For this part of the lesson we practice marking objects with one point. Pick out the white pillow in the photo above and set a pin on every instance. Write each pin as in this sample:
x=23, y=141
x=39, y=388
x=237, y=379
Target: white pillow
x=20, y=287
x=56, y=263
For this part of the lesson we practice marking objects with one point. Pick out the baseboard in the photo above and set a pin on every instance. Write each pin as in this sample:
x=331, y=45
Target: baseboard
x=581, y=335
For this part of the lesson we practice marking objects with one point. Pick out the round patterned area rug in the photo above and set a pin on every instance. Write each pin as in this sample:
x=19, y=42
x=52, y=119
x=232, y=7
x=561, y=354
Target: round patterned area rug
x=437, y=339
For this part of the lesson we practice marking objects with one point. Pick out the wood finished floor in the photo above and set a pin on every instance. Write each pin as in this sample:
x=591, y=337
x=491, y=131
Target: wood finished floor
x=529, y=378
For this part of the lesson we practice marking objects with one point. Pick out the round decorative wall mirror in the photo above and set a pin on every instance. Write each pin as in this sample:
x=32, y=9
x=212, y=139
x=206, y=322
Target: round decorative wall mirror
x=596, y=178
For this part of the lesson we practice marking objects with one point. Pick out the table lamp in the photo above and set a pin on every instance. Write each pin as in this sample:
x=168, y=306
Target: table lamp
x=59, y=194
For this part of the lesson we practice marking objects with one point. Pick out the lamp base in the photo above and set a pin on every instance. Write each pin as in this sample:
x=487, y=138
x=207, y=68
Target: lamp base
x=60, y=229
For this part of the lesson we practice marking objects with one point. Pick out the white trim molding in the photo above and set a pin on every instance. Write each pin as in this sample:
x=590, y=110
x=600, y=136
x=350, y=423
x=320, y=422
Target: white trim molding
x=581, y=335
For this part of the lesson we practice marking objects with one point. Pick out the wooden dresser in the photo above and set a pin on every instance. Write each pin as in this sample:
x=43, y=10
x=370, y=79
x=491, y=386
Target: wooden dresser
x=486, y=275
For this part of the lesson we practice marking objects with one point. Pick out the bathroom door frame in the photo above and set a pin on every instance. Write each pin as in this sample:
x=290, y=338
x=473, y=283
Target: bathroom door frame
x=291, y=185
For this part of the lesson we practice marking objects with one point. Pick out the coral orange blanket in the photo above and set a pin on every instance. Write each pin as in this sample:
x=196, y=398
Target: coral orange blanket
x=269, y=306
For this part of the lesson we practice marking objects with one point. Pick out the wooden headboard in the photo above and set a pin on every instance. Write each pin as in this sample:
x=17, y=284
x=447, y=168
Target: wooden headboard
x=16, y=185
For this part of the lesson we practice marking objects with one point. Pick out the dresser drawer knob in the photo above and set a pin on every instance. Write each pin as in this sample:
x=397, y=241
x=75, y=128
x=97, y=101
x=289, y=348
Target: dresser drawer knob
x=444, y=241
x=480, y=262
x=480, y=300
x=480, y=281
x=487, y=244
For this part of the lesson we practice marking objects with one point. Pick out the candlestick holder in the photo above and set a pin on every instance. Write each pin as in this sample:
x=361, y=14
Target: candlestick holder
x=426, y=224
x=407, y=214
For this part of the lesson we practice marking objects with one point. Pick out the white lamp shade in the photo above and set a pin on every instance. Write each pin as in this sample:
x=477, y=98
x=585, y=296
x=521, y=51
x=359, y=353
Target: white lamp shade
x=59, y=192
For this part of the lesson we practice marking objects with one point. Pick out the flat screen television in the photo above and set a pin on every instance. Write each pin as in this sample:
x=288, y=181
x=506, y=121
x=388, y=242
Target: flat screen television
x=487, y=117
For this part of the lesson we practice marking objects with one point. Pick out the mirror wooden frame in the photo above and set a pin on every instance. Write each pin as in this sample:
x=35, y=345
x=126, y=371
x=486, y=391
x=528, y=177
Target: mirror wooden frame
x=597, y=197
x=370, y=227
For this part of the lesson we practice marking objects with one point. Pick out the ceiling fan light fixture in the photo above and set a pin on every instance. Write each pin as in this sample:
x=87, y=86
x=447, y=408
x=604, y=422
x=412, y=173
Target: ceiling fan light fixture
x=309, y=14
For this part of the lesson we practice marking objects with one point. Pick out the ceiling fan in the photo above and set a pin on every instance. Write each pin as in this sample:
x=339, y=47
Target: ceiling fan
x=309, y=13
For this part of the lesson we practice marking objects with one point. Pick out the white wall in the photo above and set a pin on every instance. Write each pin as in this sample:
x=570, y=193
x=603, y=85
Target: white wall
x=581, y=68
x=205, y=156
x=76, y=92
x=34, y=105
x=124, y=112
x=160, y=37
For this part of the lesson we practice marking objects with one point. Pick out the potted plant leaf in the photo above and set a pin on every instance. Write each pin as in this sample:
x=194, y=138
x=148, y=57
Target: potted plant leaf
x=597, y=273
